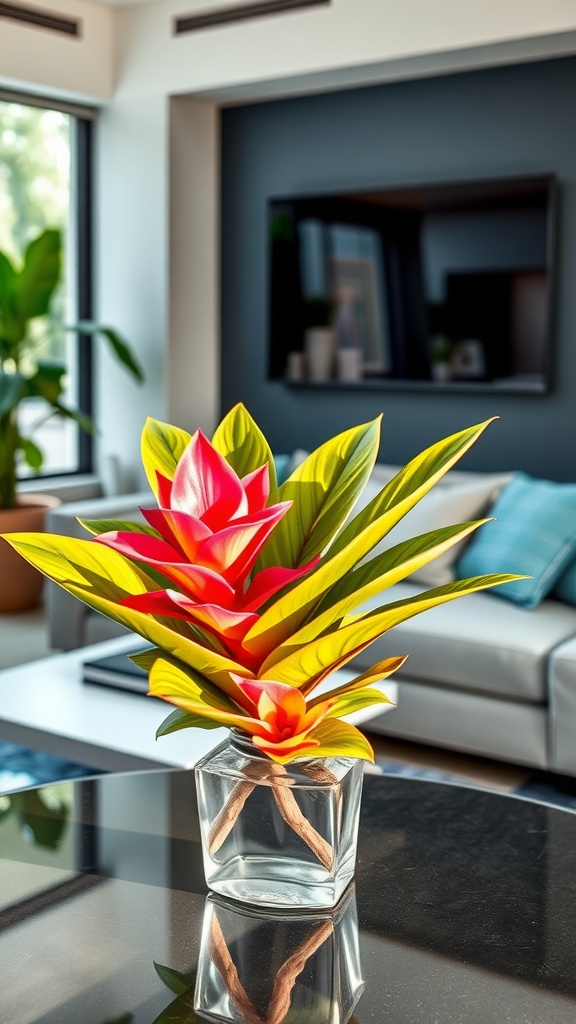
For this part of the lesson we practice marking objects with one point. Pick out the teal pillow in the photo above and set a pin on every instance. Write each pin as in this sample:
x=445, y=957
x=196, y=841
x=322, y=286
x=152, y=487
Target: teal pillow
x=535, y=534
x=282, y=463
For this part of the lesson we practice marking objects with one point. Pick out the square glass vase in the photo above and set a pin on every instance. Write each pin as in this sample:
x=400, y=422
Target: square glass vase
x=278, y=835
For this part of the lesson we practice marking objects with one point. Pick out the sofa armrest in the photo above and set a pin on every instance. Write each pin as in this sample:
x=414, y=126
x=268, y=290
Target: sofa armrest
x=65, y=614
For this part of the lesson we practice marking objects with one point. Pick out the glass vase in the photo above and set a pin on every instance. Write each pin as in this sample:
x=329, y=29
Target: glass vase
x=278, y=835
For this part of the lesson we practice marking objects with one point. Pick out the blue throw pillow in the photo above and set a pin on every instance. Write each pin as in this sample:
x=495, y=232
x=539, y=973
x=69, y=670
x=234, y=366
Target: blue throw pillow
x=282, y=463
x=535, y=533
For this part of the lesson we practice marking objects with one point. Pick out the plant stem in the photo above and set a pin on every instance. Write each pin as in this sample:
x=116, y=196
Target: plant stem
x=8, y=450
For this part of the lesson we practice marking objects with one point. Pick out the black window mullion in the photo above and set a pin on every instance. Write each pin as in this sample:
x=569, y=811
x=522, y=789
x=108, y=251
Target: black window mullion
x=84, y=233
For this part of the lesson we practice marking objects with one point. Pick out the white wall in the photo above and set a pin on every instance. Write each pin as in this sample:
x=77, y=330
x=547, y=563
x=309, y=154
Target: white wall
x=46, y=62
x=157, y=160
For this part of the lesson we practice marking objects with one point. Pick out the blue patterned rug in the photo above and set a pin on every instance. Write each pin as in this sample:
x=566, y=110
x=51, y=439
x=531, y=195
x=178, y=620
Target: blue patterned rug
x=20, y=768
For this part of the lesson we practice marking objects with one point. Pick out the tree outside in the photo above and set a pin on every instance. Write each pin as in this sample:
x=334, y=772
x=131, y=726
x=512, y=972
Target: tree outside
x=35, y=193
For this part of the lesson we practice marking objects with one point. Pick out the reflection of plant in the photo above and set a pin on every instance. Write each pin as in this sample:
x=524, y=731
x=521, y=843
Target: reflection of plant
x=41, y=815
x=26, y=294
x=181, y=1010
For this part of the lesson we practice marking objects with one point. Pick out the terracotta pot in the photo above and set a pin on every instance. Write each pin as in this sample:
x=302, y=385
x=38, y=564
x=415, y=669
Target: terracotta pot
x=20, y=583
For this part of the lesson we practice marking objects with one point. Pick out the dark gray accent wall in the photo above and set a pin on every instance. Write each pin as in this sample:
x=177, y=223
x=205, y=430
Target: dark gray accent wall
x=496, y=123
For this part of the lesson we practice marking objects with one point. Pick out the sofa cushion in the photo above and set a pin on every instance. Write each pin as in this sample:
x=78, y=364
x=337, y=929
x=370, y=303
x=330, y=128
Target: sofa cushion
x=476, y=643
x=565, y=587
x=535, y=534
x=445, y=505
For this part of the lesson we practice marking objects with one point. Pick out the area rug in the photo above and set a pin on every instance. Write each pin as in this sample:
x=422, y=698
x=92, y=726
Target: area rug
x=20, y=768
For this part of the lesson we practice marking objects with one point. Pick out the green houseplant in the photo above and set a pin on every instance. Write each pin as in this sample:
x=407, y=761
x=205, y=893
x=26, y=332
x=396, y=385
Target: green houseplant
x=26, y=297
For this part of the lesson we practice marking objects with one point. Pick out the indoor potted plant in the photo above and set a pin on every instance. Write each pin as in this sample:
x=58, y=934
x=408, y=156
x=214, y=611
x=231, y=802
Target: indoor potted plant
x=27, y=294
x=252, y=596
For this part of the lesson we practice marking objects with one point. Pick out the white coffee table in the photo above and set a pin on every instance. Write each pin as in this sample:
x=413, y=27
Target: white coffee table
x=45, y=705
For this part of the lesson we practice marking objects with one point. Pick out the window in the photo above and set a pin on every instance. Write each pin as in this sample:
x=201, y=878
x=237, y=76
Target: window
x=44, y=183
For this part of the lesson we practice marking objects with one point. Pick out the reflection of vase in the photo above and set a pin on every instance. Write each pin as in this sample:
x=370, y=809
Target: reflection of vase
x=320, y=347
x=275, y=835
x=255, y=967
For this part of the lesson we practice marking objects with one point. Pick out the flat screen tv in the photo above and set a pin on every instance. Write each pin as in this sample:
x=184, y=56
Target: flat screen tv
x=445, y=285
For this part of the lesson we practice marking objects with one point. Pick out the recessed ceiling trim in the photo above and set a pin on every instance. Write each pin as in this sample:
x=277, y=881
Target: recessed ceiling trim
x=242, y=12
x=40, y=18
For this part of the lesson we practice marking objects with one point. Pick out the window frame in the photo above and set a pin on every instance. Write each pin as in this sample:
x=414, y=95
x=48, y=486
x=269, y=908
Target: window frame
x=81, y=224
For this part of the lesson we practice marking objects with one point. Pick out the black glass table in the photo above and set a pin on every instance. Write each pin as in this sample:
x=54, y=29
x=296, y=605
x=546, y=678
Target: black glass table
x=463, y=910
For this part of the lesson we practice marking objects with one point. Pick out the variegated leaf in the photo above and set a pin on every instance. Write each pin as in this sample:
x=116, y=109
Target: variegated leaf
x=375, y=576
x=162, y=446
x=305, y=666
x=347, y=703
x=382, y=670
x=324, y=489
x=239, y=439
x=284, y=617
x=98, y=526
x=336, y=739
x=100, y=577
x=179, y=719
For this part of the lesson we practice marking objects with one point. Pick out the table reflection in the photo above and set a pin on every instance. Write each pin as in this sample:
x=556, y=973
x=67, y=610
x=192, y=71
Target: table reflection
x=463, y=899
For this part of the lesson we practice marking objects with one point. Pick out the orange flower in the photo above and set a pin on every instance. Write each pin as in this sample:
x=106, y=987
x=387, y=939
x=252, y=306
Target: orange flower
x=280, y=722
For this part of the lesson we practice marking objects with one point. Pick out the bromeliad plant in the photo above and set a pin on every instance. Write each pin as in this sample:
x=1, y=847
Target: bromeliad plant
x=26, y=294
x=252, y=593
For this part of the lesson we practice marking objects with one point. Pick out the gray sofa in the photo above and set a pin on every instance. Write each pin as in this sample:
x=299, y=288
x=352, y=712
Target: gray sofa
x=483, y=675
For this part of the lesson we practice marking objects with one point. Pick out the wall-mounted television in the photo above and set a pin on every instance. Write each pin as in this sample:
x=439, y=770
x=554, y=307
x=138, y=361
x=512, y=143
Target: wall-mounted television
x=443, y=285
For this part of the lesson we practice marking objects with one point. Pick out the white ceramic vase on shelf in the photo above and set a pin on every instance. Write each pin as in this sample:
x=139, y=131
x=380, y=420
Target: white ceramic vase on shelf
x=320, y=348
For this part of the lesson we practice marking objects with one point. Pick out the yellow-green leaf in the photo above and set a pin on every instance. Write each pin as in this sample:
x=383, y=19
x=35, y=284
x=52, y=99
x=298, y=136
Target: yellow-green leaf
x=382, y=670
x=68, y=560
x=100, y=577
x=336, y=739
x=239, y=439
x=324, y=489
x=355, y=701
x=98, y=526
x=305, y=666
x=282, y=618
x=179, y=719
x=162, y=446
x=373, y=577
x=168, y=679
x=413, y=481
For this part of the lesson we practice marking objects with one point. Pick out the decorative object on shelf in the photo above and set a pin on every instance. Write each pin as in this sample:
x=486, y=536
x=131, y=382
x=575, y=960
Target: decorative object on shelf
x=25, y=296
x=309, y=964
x=249, y=593
x=296, y=366
x=349, y=364
x=320, y=346
x=320, y=338
x=441, y=355
x=349, y=353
